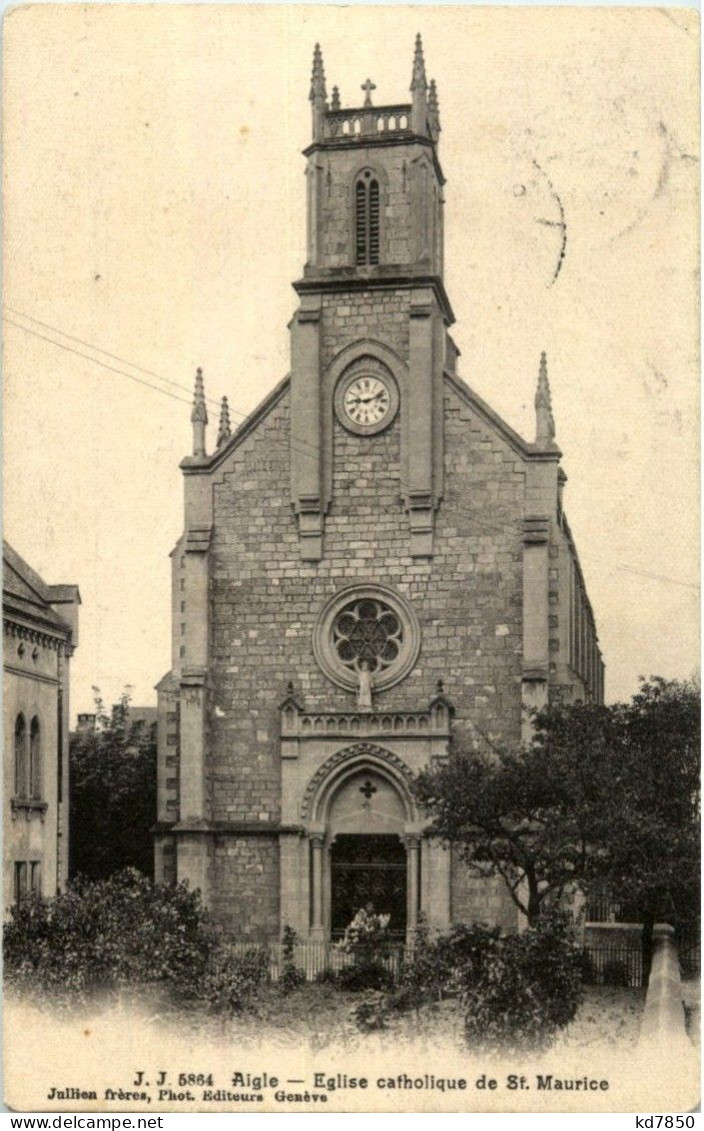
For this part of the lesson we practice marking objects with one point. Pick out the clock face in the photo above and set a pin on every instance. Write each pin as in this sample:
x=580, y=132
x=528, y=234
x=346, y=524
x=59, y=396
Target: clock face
x=367, y=401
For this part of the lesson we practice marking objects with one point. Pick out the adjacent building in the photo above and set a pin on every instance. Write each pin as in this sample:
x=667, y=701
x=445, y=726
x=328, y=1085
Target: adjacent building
x=40, y=624
x=372, y=562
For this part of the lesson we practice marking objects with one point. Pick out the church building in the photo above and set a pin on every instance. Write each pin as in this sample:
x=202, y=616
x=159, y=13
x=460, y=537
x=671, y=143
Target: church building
x=373, y=562
x=40, y=630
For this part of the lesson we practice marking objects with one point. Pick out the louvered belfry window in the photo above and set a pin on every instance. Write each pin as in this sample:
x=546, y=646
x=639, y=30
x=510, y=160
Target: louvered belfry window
x=366, y=203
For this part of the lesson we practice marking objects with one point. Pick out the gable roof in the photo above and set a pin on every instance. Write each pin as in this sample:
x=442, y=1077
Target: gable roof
x=25, y=593
x=492, y=418
x=195, y=464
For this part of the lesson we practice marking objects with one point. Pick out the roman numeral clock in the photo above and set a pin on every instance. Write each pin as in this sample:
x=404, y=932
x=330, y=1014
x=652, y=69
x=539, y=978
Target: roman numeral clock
x=366, y=403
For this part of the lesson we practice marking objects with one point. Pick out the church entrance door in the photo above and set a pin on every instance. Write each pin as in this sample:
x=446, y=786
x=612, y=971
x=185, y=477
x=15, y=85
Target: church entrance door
x=368, y=871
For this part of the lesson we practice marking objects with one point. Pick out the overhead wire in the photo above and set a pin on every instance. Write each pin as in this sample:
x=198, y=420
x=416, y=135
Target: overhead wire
x=296, y=442
x=299, y=444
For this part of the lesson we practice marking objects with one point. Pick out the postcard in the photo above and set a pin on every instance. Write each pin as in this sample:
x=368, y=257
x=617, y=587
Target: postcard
x=351, y=591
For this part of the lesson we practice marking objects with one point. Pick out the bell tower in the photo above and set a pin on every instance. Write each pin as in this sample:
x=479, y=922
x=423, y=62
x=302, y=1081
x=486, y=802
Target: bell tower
x=369, y=337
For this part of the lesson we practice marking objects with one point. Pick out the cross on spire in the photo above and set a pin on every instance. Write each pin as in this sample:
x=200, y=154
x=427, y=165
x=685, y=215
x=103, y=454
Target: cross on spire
x=368, y=87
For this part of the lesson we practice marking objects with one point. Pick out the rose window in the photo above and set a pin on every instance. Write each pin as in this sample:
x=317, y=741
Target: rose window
x=366, y=628
x=367, y=631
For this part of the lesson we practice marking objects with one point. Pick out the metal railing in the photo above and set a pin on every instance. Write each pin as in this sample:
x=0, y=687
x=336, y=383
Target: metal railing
x=613, y=963
x=605, y=961
x=314, y=957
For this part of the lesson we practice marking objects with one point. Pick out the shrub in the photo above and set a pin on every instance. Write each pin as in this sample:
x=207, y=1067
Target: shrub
x=372, y=1012
x=326, y=977
x=364, y=976
x=436, y=969
x=590, y=975
x=518, y=990
x=230, y=981
x=615, y=973
x=291, y=977
x=421, y=976
x=365, y=936
x=107, y=934
x=402, y=1000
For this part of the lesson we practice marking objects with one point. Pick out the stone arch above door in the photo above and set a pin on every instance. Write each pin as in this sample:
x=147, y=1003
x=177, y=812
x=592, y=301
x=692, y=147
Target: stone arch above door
x=365, y=802
x=349, y=763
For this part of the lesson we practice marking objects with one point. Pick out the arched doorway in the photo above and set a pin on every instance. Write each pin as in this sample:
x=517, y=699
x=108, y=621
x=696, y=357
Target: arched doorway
x=362, y=790
x=368, y=871
x=364, y=836
x=367, y=861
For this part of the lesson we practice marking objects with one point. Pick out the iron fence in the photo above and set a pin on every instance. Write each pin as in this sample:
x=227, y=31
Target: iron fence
x=688, y=940
x=605, y=962
x=314, y=957
x=613, y=963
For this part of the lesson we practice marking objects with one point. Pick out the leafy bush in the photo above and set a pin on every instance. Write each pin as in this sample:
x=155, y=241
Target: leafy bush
x=291, y=977
x=364, y=939
x=518, y=990
x=364, y=976
x=103, y=936
x=420, y=977
x=231, y=980
x=365, y=936
x=590, y=975
x=402, y=1000
x=326, y=977
x=107, y=934
x=615, y=973
x=372, y=1012
x=433, y=969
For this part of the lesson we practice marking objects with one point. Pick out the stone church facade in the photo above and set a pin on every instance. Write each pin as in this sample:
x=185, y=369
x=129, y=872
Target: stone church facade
x=372, y=562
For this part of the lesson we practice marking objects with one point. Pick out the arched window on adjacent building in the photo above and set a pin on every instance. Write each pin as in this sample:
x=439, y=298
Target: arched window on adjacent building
x=366, y=217
x=21, y=781
x=35, y=759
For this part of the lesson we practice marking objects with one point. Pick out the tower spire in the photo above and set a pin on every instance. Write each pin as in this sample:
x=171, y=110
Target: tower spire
x=199, y=415
x=433, y=111
x=318, y=93
x=419, y=90
x=418, y=79
x=224, y=429
x=544, y=420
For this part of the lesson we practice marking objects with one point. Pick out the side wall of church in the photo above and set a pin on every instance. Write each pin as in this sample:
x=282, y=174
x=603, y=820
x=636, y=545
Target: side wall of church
x=265, y=602
x=475, y=899
x=246, y=871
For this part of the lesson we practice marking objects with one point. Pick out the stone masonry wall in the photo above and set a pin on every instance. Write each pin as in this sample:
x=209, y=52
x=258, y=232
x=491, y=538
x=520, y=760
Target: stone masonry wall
x=265, y=602
x=380, y=315
x=396, y=171
x=478, y=900
x=246, y=873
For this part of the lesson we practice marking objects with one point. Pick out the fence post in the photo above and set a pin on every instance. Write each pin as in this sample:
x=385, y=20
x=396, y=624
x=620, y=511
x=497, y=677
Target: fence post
x=663, y=1016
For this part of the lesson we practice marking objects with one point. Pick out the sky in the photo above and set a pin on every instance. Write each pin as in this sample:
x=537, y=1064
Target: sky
x=154, y=211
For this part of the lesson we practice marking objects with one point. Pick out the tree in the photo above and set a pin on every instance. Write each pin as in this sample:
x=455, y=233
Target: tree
x=651, y=839
x=112, y=794
x=602, y=798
